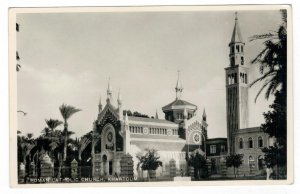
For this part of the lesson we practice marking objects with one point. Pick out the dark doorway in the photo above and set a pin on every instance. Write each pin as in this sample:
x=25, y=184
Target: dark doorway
x=104, y=160
x=110, y=167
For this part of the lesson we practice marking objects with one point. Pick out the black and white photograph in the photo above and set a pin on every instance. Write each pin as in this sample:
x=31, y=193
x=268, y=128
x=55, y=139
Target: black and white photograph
x=179, y=95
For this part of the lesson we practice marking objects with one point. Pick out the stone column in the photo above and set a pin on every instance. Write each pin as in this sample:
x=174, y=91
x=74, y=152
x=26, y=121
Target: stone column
x=126, y=165
x=172, y=166
x=46, y=167
x=21, y=173
x=74, y=169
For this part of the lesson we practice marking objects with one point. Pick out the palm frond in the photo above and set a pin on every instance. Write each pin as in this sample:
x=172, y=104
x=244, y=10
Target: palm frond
x=262, y=36
x=67, y=111
x=53, y=123
x=268, y=74
x=261, y=89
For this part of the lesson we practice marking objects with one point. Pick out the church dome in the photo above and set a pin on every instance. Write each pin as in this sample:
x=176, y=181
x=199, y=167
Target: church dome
x=179, y=104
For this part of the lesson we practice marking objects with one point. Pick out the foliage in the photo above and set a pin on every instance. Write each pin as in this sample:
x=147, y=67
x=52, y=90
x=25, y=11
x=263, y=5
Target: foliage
x=235, y=161
x=84, y=142
x=276, y=119
x=273, y=156
x=198, y=162
x=135, y=114
x=272, y=59
x=66, y=112
x=273, y=67
x=53, y=123
x=149, y=160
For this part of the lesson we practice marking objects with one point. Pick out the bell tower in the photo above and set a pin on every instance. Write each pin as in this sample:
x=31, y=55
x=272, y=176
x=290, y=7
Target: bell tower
x=236, y=87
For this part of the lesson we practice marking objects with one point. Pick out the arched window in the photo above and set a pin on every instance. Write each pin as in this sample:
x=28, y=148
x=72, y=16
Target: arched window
x=260, y=162
x=242, y=60
x=242, y=48
x=246, y=81
x=232, y=61
x=260, y=142
x=235, y=78
x=250, y=142
x=241, y=143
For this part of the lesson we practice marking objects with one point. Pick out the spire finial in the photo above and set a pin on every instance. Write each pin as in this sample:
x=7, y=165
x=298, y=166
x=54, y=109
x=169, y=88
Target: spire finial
x=236, y=34
x=178, y=87
x=100, y=105
x=156, y=115
x=109, y=91
x=119, y=97
x=204, y=115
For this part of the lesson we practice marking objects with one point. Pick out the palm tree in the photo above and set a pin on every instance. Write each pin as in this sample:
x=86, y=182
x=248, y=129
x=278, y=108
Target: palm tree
x=66, y=112
x=57, y=147
x=83, y=143
x=272, y=59
x=53, y=123
x=25, y=145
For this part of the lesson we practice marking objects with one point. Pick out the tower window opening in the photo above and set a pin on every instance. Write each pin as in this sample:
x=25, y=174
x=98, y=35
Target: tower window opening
x=232, y=49
x=237, y=48
x=246, y=81
x=242, y=48
x=235, y=78
x=232, y=61
x=241, y=143
x=250, y=142
x=242, y=60
x=260, y=142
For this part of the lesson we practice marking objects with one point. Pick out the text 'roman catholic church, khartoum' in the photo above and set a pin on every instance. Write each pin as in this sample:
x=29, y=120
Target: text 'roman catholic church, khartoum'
x=183, y=130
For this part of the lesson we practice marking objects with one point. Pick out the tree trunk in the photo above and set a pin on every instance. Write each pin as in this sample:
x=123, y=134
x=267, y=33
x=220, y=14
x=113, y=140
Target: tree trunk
x=65, y=141
x=59, y=166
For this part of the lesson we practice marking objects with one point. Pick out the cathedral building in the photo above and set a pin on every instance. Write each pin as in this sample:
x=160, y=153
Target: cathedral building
x=242, y=139
x=182, y=130
x=116, y=134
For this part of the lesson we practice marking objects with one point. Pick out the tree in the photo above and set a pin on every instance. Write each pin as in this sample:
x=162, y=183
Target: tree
x=273, y=68
x=84, y=142
x=272, y=59
x=53, y=123
x=235, y=161
x=135, y=114
x=25, y=145
x=198, y=162
x=57, y=147
x=148, y=161
x=66, y=112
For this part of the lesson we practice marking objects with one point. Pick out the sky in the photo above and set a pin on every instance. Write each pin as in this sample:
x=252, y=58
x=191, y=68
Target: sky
x=69, y=57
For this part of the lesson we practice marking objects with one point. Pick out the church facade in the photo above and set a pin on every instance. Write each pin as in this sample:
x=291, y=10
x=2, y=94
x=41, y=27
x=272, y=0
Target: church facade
x=242, y=139
x=116, y=134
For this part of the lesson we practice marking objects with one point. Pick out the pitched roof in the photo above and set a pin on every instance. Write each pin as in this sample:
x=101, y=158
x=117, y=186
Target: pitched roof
x=178, y=102
x=236, y=34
